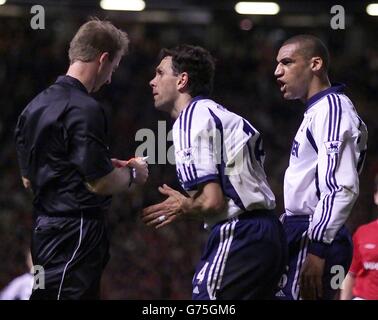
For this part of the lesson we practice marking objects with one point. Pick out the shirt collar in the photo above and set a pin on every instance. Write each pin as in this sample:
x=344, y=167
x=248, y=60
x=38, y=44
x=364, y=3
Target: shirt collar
x=195, y=99
x=335, y=88
x=72, y=82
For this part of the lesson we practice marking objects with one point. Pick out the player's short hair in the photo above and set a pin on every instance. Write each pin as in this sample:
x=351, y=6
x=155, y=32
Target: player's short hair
x=376, y=183
x=96, y=37
x=197, y=62
x=310, y=46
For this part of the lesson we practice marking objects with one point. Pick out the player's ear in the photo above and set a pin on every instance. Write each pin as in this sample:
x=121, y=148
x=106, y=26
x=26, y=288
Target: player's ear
x=316, y=63
x=183, y=80
x=104, y=57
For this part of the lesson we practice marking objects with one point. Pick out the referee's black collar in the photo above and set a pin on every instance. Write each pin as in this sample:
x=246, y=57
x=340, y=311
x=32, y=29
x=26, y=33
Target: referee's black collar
x=335, y=88
x=66, y=79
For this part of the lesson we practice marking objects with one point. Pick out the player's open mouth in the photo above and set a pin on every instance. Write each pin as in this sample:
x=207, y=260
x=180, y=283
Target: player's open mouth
x=282, y=85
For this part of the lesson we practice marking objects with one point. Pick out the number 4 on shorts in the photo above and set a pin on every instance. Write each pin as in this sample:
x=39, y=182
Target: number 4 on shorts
x=201, y=274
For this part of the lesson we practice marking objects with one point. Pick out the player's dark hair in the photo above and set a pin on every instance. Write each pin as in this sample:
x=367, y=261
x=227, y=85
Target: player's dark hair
x=95, y=37
x=310, y=46
x=197, y=62
x=376, y=183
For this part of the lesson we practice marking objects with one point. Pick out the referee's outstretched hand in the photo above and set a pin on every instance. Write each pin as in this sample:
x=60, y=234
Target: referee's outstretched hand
x=139, y=165
x=141, y=169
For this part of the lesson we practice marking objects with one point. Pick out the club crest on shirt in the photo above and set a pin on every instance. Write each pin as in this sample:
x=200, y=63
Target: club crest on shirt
x=332, y=147
x=185, y=155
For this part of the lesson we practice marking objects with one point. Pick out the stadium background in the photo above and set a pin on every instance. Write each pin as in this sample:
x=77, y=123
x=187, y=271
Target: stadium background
x=148, y=264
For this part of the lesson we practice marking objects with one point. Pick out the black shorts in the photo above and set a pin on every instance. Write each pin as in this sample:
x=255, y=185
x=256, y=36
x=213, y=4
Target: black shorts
x=73, y=251
x=339, y=254
x=243, y=260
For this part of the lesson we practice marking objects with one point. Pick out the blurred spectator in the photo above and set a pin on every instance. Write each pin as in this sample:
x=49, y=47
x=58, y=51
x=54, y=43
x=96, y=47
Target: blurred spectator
x=21, y=287
x=361, y=282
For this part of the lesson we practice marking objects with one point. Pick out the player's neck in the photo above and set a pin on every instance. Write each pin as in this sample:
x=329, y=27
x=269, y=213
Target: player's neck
x=317, y=86
x=84, y=72
x=181, y=103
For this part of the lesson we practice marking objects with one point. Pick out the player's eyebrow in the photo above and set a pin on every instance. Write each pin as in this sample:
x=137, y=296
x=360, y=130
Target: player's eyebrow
x=285, y=60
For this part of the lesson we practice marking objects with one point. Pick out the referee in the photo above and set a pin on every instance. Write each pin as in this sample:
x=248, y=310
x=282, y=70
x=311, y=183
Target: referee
x=62, y=146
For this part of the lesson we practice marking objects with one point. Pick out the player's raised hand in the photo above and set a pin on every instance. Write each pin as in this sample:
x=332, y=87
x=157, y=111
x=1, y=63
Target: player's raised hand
x=310, y=284
x=170, y=192
x=165, y=212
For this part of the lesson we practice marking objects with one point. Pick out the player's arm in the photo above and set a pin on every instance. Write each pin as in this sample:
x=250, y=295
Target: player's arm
x=338, y=189
x=86, y=130
x=120, y=178
x=347, y=287
x=22, y=154
x=208, y=200
x=338, y=160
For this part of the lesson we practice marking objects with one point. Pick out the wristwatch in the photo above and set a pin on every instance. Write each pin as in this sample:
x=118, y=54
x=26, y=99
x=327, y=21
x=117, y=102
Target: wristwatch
x=132, y=175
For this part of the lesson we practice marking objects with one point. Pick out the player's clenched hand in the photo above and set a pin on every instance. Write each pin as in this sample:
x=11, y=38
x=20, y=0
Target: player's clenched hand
x=310, y=284
x=141, y=169
x=164, y=212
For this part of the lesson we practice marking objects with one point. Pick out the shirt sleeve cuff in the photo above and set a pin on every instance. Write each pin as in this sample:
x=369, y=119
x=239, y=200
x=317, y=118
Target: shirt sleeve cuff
x=318, y=249
x=24, y=172
x=192, y=185
x=99, y=174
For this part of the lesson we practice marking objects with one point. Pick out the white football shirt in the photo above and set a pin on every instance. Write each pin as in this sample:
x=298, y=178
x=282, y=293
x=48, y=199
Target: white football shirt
x=214, y=144
x=327, y=155
x=19, y=288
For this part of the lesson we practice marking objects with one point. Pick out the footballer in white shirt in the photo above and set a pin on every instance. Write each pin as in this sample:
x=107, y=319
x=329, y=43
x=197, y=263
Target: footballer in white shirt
x=321, y=183
x=219, y=163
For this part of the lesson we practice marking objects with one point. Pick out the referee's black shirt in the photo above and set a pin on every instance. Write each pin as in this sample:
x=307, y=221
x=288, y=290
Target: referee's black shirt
x=62, y=142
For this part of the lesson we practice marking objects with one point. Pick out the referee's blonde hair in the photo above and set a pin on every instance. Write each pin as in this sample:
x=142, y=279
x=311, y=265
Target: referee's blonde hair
x=95, y=37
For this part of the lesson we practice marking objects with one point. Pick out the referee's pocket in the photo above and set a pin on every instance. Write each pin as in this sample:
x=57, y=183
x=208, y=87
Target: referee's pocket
x=48, y=225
